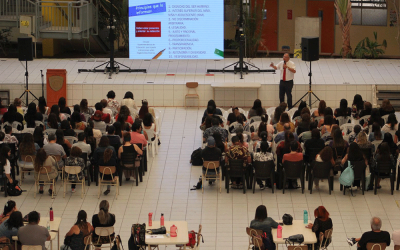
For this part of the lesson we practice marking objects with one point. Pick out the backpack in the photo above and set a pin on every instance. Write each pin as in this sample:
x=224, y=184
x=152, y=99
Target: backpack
x=195, y=158
x=13, y=189
x=139, y=233
x=347, y=176
x=192, y=239
x=117, y=244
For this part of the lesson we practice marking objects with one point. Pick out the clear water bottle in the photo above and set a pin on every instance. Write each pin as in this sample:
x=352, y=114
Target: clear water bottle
x=305, y=217
x=48, y=225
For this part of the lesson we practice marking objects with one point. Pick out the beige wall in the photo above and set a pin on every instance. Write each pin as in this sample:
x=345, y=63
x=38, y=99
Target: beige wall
x=285, y=26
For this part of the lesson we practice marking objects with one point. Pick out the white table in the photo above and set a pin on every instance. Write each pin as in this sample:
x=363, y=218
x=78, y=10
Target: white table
x=181, y=238
x=54, y=230
x=298, y=227
x=235, y=85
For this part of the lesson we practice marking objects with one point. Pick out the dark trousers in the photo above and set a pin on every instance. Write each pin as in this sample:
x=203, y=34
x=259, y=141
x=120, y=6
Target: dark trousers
x=285, y=87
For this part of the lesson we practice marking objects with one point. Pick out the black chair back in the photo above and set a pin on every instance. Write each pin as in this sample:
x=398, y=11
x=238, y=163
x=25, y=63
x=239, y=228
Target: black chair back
x=384, y=168
x=322, y=170
x=263, y=169
x=128, y=158
x=116, y=147
x=236, y=168
x=293, y=169
x=359, y=169
x=312, y=153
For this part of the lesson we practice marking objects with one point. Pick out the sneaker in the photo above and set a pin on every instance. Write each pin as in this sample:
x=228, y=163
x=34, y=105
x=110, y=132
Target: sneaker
x=210, y=182
x=262, y=187
x=106, y=192
x=50, y=191
x=73, y=190
x=351, y=241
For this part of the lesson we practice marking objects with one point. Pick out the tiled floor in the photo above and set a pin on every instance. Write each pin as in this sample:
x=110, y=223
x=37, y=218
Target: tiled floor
x=165, y=189
x=325, y=71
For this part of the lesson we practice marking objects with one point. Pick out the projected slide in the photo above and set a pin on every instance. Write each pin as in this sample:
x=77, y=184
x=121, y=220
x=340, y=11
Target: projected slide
x=176, y=29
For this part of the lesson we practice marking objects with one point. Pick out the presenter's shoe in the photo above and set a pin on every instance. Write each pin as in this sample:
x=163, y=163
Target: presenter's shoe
x=351, y=241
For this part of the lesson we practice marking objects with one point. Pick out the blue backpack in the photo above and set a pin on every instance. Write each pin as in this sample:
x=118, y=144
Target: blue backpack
x=347, y=176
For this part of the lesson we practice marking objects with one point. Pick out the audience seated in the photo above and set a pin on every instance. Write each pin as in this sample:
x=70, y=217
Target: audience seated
x=211, y=153
x=77, y=109
x=130, y=103
x=99, y=152
x=242, y=137
x=111, y=102
x=75, y=160
x=128, y=147
x=285, y=148
x=18, y=105
x=353, y=154
x=343, y=109
x=137, y=136
x=297, y=113
x=366, y=110
x=9, y=208
x=84, y=109
x=263, y=138
x=77, y=122
x=327, y=111
x=5, y=153
x=114, y=139
x=106, y=109
x=62, y=103
x=284, y=120
x=52, y=122
x=233, y=117
x=9, y=227
x=394, y=150
x=321, y=223
x=215, y=128
x=12, y=115
x=256, y=110
x=281, y=135
x=99, y=115
x=277, y=115
x=325, y=155
x=28, y=145
x=321, y=109
x=386, y=108
x=53, y=148
x=45, y=160
x=3, y=109
x=215, y=110
x=38, y=137
x=222, y=145
x=146, y=109
x=148, y=124
x=76, y=235
x=103, y=219
x=375, y=133
x=263, y=222
x=357, y=106
x=96, y=133
x=353, y=135
x=263, y=155
x=238, y=152
x=32, y=115
x=32, y=233
x=90, y=138
x=328, y=122
x=85, y=148
x=126, y=113
x=109, y=159
x=306, y=135
x=391, y=124
x=264, y=126
x=375, y=117
x=338, y=144
x=67, y=129
x=62, y=141
x=363, y=142
x=206, y=120
x=374, y=236
x=304, y=124
x=383, y=154
x=55, y=109
x=294, y=154
x=8, y=137
x=315, y=143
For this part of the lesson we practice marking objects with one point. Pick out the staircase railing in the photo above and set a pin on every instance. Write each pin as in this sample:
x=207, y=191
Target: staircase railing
x=66, y=16
x=12, y=9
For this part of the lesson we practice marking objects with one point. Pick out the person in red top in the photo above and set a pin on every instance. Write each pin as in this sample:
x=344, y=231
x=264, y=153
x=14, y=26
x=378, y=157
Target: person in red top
x=127, y=114
x=294, y=155
x=284, y=147
x=3, y=109
x=136, y=135
x=99, y=114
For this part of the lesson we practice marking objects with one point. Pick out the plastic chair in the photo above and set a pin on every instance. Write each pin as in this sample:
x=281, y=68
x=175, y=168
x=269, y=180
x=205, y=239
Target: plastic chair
x=128, y=163
x=207, y=176
x=385, y=118
x=299, y=247
x=26, y=166
x=104, y=232
x=292, y=111
x=151, y=145
x=318, y=118
x=109, y=170
x=192, y=86
x=347, y=128
x=39, y=123
x=343, y=120
x=325, y=239
x=376, y=246
x=57, y=158
x=359, y=174
x=321, y=170
x=50, y=131
x=292, y=170
x=384, y=170
x=16, y=126
x=236, y=169
x=71, y=139
x=254, y=235
x=364, y=118
x=74, y=170
x=45, y=170
x=264, y=170
x=100, y=125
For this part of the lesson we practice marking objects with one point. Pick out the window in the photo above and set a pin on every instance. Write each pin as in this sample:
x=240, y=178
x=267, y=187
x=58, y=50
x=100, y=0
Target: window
x=368, y=12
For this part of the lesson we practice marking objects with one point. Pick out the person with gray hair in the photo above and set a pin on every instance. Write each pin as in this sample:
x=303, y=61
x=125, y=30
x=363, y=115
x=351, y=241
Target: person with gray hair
x=52, y=148
x=374, y=236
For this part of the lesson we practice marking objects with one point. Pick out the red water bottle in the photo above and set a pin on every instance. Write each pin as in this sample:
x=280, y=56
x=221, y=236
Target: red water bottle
x=162, y=220
x=150, y=219
x=51, y=214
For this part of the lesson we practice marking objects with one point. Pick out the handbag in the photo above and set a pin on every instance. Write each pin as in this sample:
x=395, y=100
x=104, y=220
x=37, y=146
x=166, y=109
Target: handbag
x=117, y=244
x=287, y=219
x=297, y=238
x=161, y=230
x=347, y=176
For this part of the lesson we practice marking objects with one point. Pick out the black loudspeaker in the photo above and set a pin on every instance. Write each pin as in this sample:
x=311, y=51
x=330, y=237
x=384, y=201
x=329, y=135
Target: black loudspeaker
x=310, y=49
x=25, y=50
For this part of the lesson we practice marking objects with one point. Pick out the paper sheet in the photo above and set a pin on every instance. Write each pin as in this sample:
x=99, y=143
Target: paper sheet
x=159, y=236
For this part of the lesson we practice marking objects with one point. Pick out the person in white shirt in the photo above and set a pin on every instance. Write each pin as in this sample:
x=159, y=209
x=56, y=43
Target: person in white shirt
x=82, y=144
x=287, y=71
x=5, y=154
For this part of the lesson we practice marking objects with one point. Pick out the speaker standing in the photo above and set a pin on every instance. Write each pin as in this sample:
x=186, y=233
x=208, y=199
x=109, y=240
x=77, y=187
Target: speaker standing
x=287, y=70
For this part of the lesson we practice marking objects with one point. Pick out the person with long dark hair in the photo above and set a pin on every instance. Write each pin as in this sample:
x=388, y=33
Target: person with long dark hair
x=55, y=109
x=321, y=109
x=62, y=141
x=263, y=222
x=75, y=160
x=285, y=120
x=257, y=109
x=277, y=115
x=302, y=105
x=338, y=144
x=375, y=133
x=126, y=113
x=62, y=103
x=77, y=109
x=128, y=147
x=325, y=155
x=223, y=146
x=111, y=102
x=9, y=208
x=388, y=138
x=42, y=106
x=38, y=137
x=109, y=159
x=84, y=109
x=76, y=235
x=13, y=116
x=391, y=124
x=304, y=124
x=343, y=109
x=146, y=109
x=321, y=223
x=357, y=106
x=52, y=121
x=10, y=226
x=215, y=110
x=366, y=110
x=235, y=116
x=76, y=121
x=5, y=153
x=67, y=129
x=354, y=153
x=264, y=126
x=386, y=108
x=327, y=111
x=284, y=147
x=375, y=117
x=383, y=154
x=42, y=159
x=328, y=123
x=28, y=145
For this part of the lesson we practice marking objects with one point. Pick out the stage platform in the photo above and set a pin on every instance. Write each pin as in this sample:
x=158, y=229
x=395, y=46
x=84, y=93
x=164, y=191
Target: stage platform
x=163, y=84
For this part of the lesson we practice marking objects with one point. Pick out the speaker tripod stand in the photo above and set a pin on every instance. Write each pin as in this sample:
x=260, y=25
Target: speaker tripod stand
x=309, y=92
x=27, y=91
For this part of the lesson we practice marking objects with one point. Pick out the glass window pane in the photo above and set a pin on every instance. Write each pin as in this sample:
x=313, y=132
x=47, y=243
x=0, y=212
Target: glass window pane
x=374, y=17
x=356, y=17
